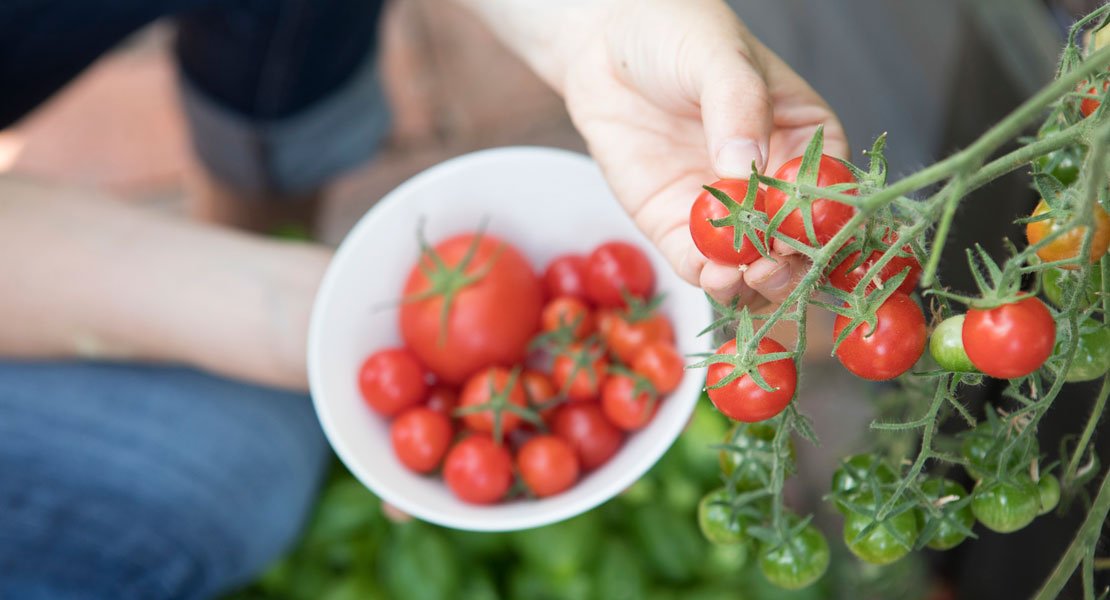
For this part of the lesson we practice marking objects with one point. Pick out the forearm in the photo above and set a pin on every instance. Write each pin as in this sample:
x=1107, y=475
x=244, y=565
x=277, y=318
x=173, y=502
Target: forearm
x=85, y=276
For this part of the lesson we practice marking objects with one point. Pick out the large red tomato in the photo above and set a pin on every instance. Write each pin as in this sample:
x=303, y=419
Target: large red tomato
x=1011, y=340
x=716, y=243
x=891, y=348
x=492, y=314
x=742, y=399
x=829, y=216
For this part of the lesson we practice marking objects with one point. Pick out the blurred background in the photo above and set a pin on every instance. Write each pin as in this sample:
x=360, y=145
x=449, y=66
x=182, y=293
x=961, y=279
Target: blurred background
x=934, y=74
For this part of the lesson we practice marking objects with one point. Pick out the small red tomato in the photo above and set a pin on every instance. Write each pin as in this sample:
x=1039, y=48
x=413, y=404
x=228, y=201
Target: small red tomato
x=661, y=364
x=626, y=336
x=566, y=276
x=1011, y=340
x=568, y=312
x=844, y=279
x=891, y=348
x=1090, y=105
x=742, y=399
x=579, y=371
x=604, y=320
x=492, y=387
x=594, y=439
x=392, y=380
x=716, y=243
x=624, y=407
x=829, y=216
x=420, y=438
x=443, y=399
x=547, y=464
x=540, y=392
x=614, y=269
x=478, y=470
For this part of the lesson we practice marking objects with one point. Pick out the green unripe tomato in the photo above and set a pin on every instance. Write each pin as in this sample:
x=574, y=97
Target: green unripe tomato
x=947, y=346
x=1006, y=506
x=854, y=471
x=983, y=445
x=716, y=519
x=1055, y=280
x=1092, y=354
x=1062, y=164
x=753, y=455
x=949, y=531
x=1048, y=491
x=798, y=563
x=889, y=541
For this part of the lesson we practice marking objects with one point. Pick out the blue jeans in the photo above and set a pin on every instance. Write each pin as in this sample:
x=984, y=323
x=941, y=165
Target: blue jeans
x=125, y=481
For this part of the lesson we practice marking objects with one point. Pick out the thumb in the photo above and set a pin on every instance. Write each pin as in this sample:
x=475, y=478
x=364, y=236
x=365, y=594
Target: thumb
x=737, y=113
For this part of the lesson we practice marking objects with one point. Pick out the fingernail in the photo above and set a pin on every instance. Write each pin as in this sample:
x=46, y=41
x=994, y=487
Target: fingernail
x=735, y=158
x=777, y=279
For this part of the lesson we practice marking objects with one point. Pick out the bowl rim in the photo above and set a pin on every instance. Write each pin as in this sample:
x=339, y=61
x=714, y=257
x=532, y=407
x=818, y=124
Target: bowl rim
x=344, y=254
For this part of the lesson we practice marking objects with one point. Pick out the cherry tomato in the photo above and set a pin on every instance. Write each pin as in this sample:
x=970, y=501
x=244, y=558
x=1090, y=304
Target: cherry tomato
x=1092, y=354
x=594, y=439
x=661, y=364
x=540, y=392
x=579, y=371
x=492, y=315
x=947, y=346
x=1090, y=105
x=891, y=348
x=478, y=470
x=443, y=399
x=566, y=276
x=950, y=527
x=1062, y=164
x=747, y=460
x=568, y=312
x=1048, y=493
x=624, y=407
x=1058, y=281
x=829, y=216
x=547, y=464
x=392, y=380
x=492, y=387
x=798, y=563
x=614, y=269
x=420, y=438
x=716, y=243
x=858, y=474
x=743, y=399
x=626, y=336
x=851, y=271
x=1011, y=340
x=1068, y=244
x=716, y=519
x=983, y=448
x=1006, y=506
x=892, y=539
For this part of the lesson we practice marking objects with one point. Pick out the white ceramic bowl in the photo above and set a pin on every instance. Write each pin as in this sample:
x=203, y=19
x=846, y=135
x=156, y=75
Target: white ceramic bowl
x=544, y=201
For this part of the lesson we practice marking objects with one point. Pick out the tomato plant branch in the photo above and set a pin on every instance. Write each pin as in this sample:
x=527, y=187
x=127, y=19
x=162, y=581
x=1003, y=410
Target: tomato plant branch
x=1087, y=537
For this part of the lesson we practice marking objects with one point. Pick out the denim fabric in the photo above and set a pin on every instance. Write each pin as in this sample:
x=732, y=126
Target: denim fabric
x=124, y=481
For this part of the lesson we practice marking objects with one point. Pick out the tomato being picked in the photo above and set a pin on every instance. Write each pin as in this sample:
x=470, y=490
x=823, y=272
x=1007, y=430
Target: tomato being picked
x=478, y=470
x=717, y=243
x=595, y=440
x=420, y=437
x=459, y=319
x=891, y=347
x=626, y=406
x=616, y=269
x=1011, y=340
x=1069, y=244
x=566, y=276
x=829, y=216
x=742, y=399
x=392, y=380
x=547, y=464
x=499, y=391
x=568, y=313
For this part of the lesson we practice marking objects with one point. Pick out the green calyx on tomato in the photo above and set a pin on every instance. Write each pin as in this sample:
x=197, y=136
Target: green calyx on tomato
x=719, y=522
x=1048, y=491
x=859, y=473
x=1006, y=505
x=747, y=455
x=983, y=446
x=878, y=542
x=1092, y=352
x=947, y=347
x=948, y=519
x=799, y=561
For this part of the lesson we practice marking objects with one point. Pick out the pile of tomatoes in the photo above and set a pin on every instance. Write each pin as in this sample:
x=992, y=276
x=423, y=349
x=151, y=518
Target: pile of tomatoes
x=510, y=377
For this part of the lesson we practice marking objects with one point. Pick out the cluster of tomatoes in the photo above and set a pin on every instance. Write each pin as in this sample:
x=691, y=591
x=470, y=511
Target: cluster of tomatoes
x=511, y=376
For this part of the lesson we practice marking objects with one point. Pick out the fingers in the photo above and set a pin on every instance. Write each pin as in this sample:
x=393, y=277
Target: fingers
x=775, y=279
x=736, y=111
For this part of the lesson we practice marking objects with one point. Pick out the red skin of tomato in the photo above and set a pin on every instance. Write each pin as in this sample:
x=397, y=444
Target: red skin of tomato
x=540, y=390
x=595, y=440
x=587, y=382
x=420, y=438
x=392, y=380
x=565, y=310
x=829, y=216
x=1089, y=105
x=478, y=470
x=892, y=348
x=661, y=364
x=626, y=338
x=477, y=392
x=443, y=399
x=615, y=268
x=623, y=407
x=547, y=464
x=842, y=278
x=1011, y=340
x=566, y=276
x=716, y=243
x=743, y=399
x=490, y=322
